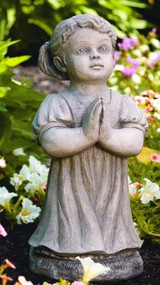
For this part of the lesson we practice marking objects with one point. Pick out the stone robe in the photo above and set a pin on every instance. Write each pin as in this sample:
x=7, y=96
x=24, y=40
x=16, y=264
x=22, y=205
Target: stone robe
x=86, y=209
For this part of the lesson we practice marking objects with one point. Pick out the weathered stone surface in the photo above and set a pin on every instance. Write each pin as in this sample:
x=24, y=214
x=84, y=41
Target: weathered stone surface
x=89, y=131
x=121, y=267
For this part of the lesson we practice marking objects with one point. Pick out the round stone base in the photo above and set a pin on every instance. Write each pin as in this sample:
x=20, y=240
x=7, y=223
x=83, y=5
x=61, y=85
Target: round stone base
x=121, y=267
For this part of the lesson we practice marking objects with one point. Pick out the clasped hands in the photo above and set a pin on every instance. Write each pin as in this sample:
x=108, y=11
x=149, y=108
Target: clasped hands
x=95, y=125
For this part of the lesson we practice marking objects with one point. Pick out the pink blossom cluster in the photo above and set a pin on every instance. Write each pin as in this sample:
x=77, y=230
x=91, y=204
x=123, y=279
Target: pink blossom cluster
x=117, y=55
x=128, y=43
x=130, y=70
x=147, y=100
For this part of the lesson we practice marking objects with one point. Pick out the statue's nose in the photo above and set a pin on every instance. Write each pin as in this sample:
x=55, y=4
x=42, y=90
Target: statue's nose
x=94, y=55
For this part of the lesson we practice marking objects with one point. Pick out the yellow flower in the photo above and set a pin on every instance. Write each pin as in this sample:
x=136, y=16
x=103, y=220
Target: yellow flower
x=91, y=269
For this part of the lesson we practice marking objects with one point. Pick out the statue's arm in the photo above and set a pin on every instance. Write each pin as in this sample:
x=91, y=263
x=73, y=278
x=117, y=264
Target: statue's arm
x=127, y=140
x=123, y=142
x=61, y=142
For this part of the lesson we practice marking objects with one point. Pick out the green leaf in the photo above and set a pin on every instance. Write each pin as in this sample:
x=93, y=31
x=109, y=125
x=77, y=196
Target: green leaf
x=134, y=4
x=138, y=24
x=14, y=61
x=42, y=25
x=155, y=43
x=55, y=4
x=3, y=91
x=4, y=46
x=2, y=107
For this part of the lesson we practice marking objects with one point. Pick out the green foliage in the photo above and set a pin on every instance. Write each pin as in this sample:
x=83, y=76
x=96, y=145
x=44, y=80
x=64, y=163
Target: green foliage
x=145, y=201
x=35, y=16
x=152, y=139
x=137, y=74
x=47, y=13
x=147, y=219
x=18, y=104
x=138, y=170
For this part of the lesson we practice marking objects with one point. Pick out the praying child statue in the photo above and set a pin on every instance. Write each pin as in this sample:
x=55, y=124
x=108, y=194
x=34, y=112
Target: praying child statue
x=89, y=131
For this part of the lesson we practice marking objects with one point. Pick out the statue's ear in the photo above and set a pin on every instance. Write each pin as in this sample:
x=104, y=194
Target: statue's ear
x=59, y=63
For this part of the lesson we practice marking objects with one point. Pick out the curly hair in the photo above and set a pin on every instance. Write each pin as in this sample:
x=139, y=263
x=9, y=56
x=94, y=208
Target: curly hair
x=61, y=35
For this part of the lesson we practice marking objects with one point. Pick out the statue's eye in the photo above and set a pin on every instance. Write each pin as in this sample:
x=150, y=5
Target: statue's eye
x=104, y=49
x=81, y=50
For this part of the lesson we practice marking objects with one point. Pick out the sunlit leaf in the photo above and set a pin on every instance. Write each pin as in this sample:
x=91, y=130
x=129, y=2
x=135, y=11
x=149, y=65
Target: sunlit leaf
x=14, y=61
x=42, y=25
x=3, y=91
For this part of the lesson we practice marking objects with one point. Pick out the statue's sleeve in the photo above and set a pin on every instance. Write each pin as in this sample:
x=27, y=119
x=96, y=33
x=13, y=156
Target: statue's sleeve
x=53, y=112
x=131, y=116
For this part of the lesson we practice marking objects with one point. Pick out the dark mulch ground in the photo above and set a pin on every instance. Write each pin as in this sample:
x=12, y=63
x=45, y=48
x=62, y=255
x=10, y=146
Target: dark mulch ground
x=15, y=246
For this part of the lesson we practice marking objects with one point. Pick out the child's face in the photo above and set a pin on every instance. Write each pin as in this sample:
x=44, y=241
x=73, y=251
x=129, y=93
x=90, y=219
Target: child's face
x=89, y=56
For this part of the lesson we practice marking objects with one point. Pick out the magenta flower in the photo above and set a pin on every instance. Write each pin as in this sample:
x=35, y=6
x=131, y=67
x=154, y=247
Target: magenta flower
x=116, y=56
x=158, y=56
x=133, y=61
x=155, y=157
x=3, y=231
x=128, y=71
x=128, y=43
x=154, y=31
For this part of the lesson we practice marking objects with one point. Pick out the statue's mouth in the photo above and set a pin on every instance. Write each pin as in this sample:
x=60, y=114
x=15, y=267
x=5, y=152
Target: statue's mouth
x=96, y=66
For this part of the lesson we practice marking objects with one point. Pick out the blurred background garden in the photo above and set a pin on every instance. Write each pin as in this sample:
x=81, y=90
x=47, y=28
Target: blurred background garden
x=24, y=26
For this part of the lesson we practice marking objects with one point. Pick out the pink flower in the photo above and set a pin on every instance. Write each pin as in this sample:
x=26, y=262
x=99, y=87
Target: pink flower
x=44, y=186
x=4, y=277
x=128, y=71
x=128, y=43
x=10, y=264
x=148, y=109
x=3, y=231
x=77, y=283
x=2, y=163
x=150, y=119
x=133, y=61
x=158, y=56
x=140, y=100
x=155, y=157
x=150, y=93
x=154, y=31
x=116, y=56
x=23, y=281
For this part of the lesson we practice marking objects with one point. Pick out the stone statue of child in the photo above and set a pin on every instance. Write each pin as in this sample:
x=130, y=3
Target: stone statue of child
x=89, y=131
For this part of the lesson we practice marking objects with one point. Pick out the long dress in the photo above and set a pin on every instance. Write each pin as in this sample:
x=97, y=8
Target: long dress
x=86, y=209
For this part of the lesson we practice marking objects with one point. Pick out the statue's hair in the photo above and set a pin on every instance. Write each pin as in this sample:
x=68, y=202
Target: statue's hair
x=61, y=35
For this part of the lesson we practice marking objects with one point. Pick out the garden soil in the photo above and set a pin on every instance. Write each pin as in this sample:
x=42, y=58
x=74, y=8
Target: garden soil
x=15, y=245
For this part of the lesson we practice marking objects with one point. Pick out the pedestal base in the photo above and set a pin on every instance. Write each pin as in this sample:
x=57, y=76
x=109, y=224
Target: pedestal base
x=122, y=267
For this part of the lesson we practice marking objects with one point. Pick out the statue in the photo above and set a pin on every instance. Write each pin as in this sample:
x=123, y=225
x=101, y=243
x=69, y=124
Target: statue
x=89, y=131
